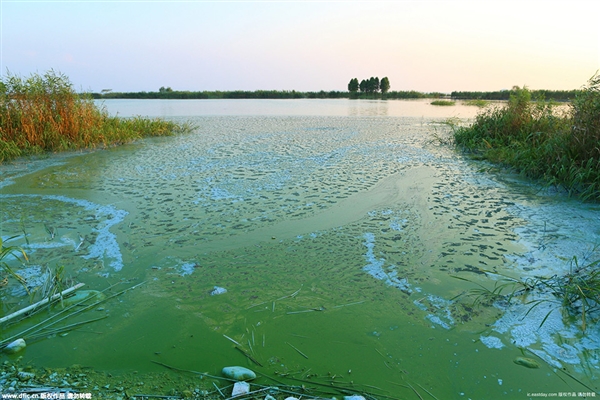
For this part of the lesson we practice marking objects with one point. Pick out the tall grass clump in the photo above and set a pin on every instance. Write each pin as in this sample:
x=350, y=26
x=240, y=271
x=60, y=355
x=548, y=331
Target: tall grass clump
x=43, y=113
x=442, y=103
x=560, y=148
x=5, y=270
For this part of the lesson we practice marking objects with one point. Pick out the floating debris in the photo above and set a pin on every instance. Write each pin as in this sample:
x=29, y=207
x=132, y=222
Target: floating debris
x=218, y=290
x=526, y=362
x=240, y=388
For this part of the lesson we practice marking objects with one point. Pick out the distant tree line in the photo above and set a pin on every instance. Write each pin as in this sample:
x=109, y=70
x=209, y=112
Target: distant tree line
x=168, y=93
x=367, y=89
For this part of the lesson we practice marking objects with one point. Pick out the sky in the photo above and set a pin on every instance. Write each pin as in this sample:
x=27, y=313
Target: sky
x=428, y=46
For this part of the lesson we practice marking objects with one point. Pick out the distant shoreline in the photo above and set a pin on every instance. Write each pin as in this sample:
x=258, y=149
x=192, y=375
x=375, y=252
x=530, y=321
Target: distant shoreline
x=556, y=95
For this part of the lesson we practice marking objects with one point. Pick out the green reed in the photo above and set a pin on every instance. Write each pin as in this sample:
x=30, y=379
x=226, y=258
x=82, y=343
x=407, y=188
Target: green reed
x=442, y=103
x=559, y=148
x=578, y=291
x=43, y=113
x=5, y=269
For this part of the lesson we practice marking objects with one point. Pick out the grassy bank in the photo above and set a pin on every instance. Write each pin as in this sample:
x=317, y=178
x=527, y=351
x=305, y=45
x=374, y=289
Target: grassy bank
x=561, y=149
x=43, y=113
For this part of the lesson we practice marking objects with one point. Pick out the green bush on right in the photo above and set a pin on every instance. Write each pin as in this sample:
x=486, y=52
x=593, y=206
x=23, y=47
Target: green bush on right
x=536, y=138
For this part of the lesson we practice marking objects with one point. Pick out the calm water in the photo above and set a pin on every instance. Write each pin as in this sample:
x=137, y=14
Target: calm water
x=323, y=236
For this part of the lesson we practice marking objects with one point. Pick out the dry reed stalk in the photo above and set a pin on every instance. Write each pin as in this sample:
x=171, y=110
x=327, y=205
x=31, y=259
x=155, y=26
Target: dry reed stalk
x=41, y=303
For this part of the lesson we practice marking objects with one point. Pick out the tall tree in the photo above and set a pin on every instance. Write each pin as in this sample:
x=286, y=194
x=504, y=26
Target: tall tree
x=353, y=85
x=363, y=86
x=384, y=85
x=375, y=84
x=372, y=85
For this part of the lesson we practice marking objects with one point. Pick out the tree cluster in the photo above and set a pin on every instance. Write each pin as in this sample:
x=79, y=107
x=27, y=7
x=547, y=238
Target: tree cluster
x=371, y=85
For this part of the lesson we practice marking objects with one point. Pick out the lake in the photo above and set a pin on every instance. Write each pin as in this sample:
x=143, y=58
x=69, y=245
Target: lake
x=337, y=243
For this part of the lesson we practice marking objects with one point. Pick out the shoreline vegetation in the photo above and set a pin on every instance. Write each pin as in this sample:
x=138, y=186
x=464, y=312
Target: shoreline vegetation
x=43, y=113
x=527, y=134
x=367, y=89
x=170, y=94
x=556, y=148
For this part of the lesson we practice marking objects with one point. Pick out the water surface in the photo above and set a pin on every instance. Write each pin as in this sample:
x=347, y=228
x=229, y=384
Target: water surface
x=324, y=237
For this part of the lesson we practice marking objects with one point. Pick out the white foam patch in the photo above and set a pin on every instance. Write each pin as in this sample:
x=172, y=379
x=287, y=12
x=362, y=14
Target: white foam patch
x=491, y=342
x=441, y=316
x=105, y=244
x=398, y=224
x=34, y=277
x=44, y=245
x=187, y=269
x=438, y=321
x=542, y=330
x=554, y=236
x=375, y=268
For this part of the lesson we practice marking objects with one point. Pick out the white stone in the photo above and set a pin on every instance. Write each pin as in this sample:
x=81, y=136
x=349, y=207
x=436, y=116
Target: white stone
x=15, y=347
x=240, y=388
x=354, y=397
x=238, y=373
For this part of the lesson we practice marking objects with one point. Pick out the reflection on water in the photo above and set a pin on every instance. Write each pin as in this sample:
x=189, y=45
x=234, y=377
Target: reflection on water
x=296, y=107
x=337, y=238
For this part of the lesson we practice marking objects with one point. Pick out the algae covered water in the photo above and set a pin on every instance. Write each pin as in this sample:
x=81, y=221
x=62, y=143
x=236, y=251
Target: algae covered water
x=319, y=243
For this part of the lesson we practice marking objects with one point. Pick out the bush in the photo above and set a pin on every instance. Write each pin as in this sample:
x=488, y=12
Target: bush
x=44, y=113
x=585, y=132
x=560, y=149
x=442, y=103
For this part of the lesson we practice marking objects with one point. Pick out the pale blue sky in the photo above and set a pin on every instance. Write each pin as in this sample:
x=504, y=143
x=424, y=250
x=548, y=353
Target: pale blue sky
x=304, y=45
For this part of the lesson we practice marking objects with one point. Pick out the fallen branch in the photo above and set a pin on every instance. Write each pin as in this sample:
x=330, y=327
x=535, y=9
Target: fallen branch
x=227, y=337
x=61, y=329
x=40, y=303
x=304, y=311
x=218, y=390
x=349, y=304
x=414, y=390
x=428, y=392
x=250, y=393
x=290, y=295
x=281, y=298
x=249, y=356
x=80, y=310
x=301, y=353
x=344, y=390
x=192, y=372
